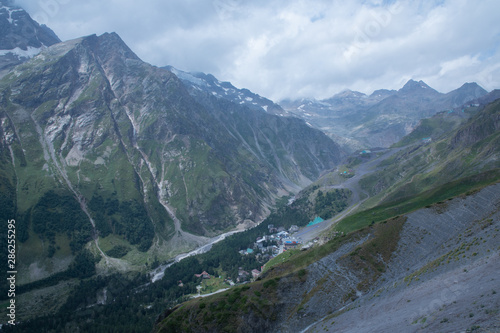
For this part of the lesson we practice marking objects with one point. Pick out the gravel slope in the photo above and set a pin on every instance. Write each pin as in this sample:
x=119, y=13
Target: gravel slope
x=444, y=276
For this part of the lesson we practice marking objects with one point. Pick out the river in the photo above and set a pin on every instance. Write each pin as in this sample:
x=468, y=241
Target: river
x=159, y=272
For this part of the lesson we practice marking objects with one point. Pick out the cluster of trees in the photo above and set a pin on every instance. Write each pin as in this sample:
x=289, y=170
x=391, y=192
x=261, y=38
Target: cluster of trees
x=125, y=312
x=103, y=212
x=60, y=213
x=331, y=203
x=129, y=219
x=118, y=251
x=134, y=304
x=135, y=225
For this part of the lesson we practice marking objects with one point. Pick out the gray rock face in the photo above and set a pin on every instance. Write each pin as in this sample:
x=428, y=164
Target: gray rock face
x=442, y=272
x=99, y=125
x=20, y=37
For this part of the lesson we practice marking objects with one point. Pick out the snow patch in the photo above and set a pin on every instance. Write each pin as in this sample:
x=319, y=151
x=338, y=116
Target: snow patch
x=188, y=77
x=10, y=11
x=29, y=53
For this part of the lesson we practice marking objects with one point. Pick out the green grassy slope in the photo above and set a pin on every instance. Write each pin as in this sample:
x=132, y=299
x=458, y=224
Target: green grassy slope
x=462, y=162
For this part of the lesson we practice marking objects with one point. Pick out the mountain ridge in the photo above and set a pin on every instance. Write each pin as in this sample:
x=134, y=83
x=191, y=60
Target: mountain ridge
x=84, y=110
x=210, y=84
x=358, y=121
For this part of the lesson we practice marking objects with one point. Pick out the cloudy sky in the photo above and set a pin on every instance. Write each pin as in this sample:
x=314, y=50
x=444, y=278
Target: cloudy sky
x=299, y=48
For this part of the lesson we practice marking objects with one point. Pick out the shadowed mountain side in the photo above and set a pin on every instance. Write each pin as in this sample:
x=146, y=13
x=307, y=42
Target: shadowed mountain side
x=127, y=146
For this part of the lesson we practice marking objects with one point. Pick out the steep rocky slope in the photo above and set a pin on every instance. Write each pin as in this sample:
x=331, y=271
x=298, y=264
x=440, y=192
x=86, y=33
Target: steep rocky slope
x=441, y=276
x=419, y=272
x=97, y=144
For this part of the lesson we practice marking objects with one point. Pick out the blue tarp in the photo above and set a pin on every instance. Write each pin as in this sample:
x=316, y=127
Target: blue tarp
x=316, y=221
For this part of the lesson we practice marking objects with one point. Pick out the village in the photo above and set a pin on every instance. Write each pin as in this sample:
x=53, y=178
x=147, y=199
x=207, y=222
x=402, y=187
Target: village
x=266, y=247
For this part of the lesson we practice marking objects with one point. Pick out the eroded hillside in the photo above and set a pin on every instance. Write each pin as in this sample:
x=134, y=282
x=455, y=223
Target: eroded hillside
x=93, y=135
x=432, y=268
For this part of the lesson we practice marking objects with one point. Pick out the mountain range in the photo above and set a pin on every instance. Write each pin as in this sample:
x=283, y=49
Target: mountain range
x=417, y=253
x=91, y=134
x=114, y=170
x=207, y=83
x=358, y=121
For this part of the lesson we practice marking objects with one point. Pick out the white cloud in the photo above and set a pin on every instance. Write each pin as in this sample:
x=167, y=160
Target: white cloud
x=299, y=48
x=458, y=64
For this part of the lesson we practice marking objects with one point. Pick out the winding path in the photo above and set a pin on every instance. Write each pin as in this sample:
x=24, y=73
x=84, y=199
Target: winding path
x=351, y=184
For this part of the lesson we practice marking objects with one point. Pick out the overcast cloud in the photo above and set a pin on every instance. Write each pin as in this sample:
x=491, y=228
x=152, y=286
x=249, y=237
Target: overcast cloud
x=294, y=48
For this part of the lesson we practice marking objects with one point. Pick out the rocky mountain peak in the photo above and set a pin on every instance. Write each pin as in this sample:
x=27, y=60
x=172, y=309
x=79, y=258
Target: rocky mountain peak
x=472, y=87
x=112, y=42
x=413, y=85
x=346, y=94
x=20, y=36
x=466, y=93
x=350, y=93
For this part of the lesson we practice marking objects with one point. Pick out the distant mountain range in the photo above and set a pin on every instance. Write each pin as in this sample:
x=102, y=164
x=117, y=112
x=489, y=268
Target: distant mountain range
x=359, y=121
x=352, y=119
